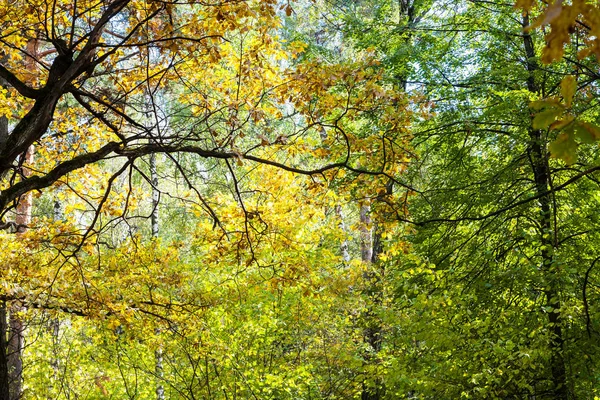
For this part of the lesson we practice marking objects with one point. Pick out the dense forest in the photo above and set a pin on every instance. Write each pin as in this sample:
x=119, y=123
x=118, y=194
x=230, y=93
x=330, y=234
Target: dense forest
x=310, y=199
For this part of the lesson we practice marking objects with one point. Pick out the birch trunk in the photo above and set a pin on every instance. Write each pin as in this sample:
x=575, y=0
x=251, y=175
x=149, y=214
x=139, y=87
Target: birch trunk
x=158, y=354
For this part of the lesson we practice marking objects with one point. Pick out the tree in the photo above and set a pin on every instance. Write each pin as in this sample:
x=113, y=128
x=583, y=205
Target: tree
x=233, y=94
x=357, y=199
x=498, y=281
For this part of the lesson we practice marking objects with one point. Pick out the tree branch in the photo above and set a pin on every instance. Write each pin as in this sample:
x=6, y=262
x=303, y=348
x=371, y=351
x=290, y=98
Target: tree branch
x=19, y=86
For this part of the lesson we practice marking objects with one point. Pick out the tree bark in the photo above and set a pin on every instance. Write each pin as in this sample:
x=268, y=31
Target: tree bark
x=155, y=195
x=4, y=375
x=16, y=339
x=342, y=226
x=15, y=351
x=158, y=353
x=370, y=250
x=154, y=222
x=539, y=164
x=37, y=120
x=54, y=323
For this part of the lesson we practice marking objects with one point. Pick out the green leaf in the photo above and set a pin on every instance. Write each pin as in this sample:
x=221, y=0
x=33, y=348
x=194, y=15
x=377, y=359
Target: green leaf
x=549, y=102
x=586, y=132
x=545, y=118
x=538, y=105
x=565, y=148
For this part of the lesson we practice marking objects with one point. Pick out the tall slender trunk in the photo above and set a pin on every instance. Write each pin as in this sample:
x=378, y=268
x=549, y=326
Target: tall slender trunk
x=16, y=340
x=54, y=323
x=16, y=326
x=155, y=195
x=4, y=375
x=370, y=250
x=152, y=119
x=373, y=334
x=366, y=234
x=54, y=327
x=158, y=353
x=539, y=164
x=342, y=225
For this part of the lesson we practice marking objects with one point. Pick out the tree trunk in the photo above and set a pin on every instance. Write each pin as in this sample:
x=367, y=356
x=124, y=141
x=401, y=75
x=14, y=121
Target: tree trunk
x=16, y=327
x=155, y=195
x=54, y=323
x=342, y=225
x=152, y=119
x=539, y=163
x=4, y=375
x=16, y=338
x=15, y=351
x=158, y=353
x=370, y=250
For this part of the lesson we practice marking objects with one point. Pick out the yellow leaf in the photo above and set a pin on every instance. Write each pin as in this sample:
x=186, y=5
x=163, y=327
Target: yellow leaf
x=568, y=87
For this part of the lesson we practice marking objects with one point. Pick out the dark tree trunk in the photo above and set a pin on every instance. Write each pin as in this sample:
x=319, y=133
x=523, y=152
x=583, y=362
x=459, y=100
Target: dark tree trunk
x=538, y=156
x=373, y=331
x=16, y=338
x=4, y=376
x=15, y=351
x=372, y=326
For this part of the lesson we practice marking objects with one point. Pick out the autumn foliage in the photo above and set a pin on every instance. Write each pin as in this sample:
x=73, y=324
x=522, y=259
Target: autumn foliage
x=299, y=199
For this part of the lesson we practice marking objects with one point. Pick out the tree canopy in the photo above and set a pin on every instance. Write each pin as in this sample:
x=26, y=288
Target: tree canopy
x=316, y=199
